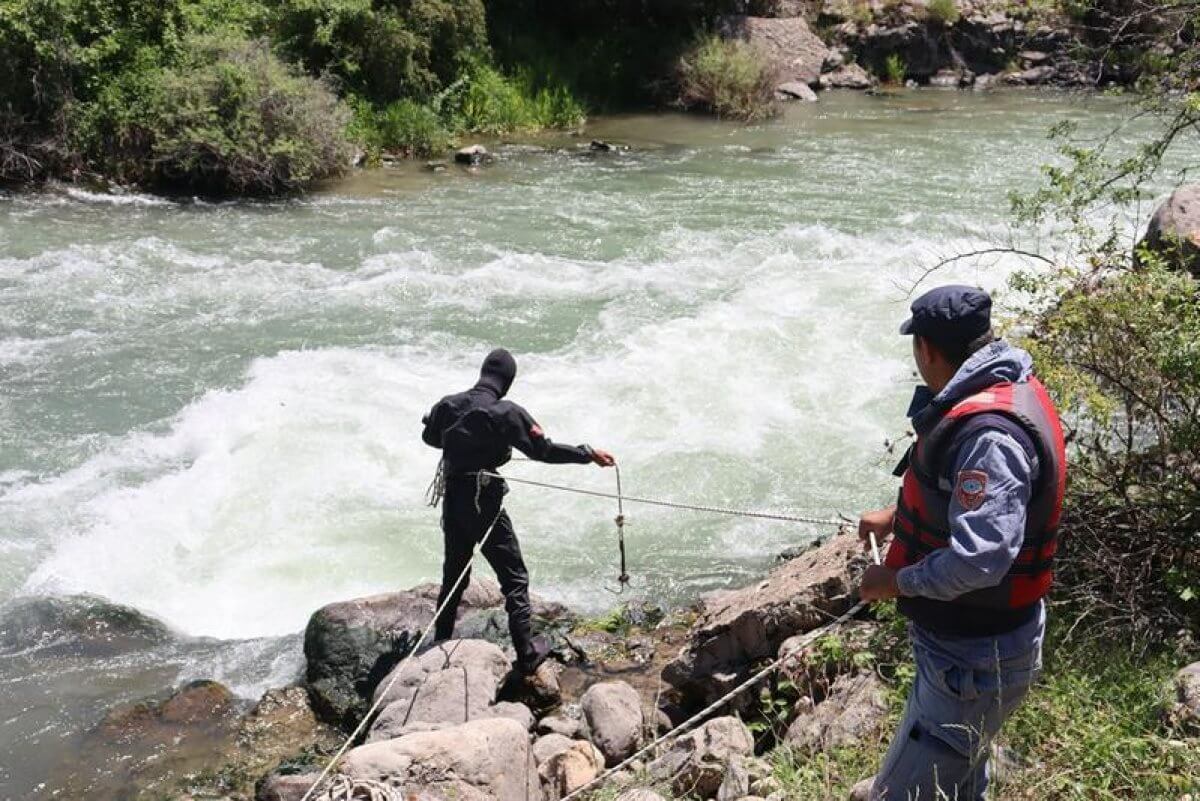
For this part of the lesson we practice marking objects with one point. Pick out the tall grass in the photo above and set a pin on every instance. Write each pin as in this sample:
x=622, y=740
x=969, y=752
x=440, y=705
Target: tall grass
x=728, y=78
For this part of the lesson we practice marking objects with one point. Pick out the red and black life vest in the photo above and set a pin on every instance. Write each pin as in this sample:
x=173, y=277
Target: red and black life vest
x=1026, y=411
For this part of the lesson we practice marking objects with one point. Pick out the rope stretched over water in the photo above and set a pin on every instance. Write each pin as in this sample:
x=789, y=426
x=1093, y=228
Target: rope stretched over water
x=719, y=510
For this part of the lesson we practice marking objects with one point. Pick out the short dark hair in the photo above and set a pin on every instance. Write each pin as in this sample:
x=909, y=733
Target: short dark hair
x=957, y=351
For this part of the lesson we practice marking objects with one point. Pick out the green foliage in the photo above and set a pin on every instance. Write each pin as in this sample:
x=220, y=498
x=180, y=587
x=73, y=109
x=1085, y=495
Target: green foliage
x=382, y=50
x=231, y=117
x=1094, y=726
x=1114, y=330
x=491, y=103
x=943, y=11
x=405, y=127
x=894, y=69
x=727, y=77
x=613, y=54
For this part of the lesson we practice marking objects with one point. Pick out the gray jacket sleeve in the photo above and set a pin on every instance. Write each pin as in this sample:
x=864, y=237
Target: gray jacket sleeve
x=993, y=483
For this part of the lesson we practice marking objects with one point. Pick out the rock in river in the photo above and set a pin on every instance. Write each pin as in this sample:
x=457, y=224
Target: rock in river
x=1174, y=230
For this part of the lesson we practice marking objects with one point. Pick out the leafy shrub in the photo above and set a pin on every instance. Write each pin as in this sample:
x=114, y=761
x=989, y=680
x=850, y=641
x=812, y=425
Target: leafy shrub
x=1123, y=357
x=405, y=127
x=231, y=117
x=492, y=103
x=59, y=56
x=385, y=50
x=894, y=69
x=728, y=78
x=943, y=11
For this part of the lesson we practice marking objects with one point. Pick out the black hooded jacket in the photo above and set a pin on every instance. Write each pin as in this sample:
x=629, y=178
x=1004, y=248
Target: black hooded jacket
x=478, y=429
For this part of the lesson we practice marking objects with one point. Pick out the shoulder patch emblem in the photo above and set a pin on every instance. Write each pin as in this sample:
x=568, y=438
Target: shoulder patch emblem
x=970, y=489
x=536, y=432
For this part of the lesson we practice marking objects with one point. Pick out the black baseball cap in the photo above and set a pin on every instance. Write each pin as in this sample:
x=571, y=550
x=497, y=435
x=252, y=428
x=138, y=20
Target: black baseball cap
x=952, y=313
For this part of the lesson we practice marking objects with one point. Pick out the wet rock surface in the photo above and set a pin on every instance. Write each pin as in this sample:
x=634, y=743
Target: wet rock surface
x=83, y=625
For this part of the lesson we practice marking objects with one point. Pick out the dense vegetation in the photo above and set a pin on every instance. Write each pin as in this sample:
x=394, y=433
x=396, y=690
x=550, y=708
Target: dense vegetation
x=246, y=96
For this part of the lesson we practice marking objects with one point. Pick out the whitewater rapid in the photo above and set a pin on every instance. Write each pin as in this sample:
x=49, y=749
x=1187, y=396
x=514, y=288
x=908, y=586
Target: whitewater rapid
x=212, y=411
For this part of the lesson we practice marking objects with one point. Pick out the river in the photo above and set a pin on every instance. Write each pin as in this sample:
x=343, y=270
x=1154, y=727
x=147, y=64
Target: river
x=210, y=412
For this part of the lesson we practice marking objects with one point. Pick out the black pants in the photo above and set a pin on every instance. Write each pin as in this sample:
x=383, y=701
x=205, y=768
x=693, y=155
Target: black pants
x=463, y=526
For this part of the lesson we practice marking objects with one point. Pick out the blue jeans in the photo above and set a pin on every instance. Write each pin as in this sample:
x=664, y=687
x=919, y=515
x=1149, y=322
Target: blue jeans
x=963, y=692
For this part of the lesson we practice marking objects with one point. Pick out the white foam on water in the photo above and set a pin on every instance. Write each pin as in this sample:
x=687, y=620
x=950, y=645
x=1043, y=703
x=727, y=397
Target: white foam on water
x=257, y=504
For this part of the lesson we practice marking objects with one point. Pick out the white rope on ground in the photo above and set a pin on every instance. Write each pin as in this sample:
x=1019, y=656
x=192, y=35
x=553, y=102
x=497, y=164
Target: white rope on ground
x=380, y=696
x=806, y=639
x=720, y=510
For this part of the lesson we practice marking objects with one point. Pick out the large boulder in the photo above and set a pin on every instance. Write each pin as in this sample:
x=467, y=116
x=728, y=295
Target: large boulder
x=852, y=713
x=1174, y=230
x=485, y=759
x=350, y=646
x=696, y=763
x=737, y=627
x=847, y=76
x=614, y=717
x=1186, y=712
x=570, y=768
x=791, y=49
x=451, y=683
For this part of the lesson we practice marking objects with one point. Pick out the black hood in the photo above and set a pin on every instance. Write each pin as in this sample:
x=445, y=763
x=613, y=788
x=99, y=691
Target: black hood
x=498, y=371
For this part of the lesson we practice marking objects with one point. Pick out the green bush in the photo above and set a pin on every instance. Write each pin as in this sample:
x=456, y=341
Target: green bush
x=405, y=127
x=894, y=69
x=729, y=78
x=491, y=103
x=943, y=11
x=1122, y=355
x=384, y=50
x=231, y=117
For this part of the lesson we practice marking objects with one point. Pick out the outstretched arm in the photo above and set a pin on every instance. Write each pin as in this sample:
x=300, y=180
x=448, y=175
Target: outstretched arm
x=527, y=436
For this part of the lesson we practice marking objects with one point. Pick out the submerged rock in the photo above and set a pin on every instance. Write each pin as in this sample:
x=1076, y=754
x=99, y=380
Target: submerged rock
x=471, y=155
x=737, y=627
x=1174, y=231
x=84, y=625
x=483, y=759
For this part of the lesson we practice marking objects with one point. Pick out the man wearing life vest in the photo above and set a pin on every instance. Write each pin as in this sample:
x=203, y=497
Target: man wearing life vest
x=975, y=530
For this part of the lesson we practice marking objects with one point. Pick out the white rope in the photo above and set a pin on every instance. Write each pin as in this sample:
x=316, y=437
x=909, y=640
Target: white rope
x=396, y=674
x=806, y=640
x=720, y=510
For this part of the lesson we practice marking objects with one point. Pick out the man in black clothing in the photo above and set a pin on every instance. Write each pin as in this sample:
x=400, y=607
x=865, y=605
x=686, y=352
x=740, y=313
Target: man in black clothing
x=477, y=430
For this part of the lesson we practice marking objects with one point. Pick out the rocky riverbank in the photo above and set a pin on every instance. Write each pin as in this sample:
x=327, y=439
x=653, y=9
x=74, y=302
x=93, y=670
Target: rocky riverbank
x=455, y=723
